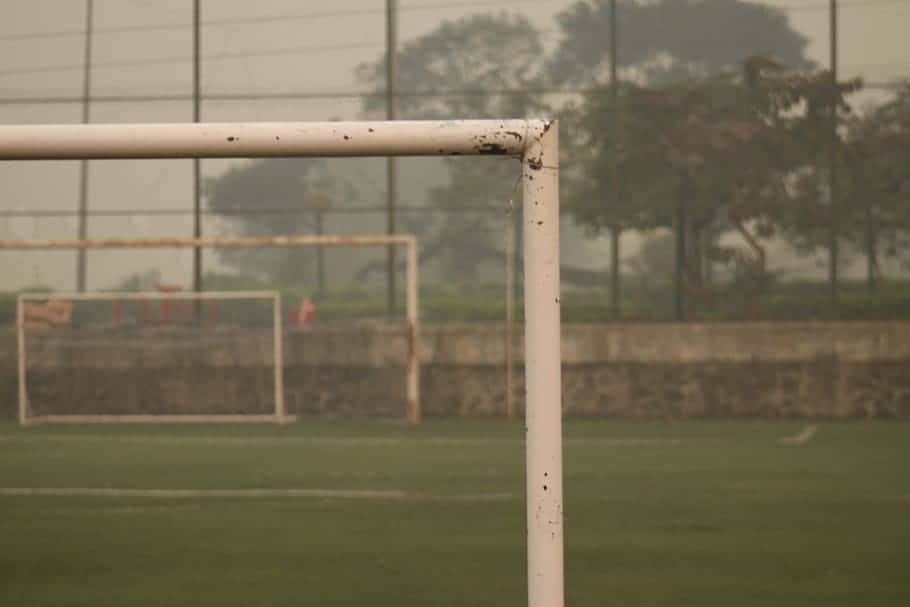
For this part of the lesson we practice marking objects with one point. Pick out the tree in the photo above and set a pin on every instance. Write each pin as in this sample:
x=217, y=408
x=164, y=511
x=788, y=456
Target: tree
x=245, y=194
x=817, y=214
x=657, y=43
x=482, y=66
x=655, y=257
x=279, y=184
x=697, y=156
x=878, y=180
x=305, y=189
x=665, y=40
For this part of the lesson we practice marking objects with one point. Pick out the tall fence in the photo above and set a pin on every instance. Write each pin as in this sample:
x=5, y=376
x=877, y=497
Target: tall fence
x=814, y=370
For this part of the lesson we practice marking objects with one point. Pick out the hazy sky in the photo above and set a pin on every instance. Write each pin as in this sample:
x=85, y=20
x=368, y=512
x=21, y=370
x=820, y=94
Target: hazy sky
x=268, y=45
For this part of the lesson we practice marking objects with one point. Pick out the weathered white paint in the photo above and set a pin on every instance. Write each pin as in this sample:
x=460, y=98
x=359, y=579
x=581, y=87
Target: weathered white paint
x=258, y=139
x=543, y=415
x=233, y=241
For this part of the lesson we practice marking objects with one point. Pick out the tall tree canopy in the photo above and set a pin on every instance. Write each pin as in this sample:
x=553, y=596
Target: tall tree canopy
x=285, y=184
x=293, y=184
x=652, y=151
x=713, y=153
x=881, y=176
x=877, y=182
x=482, y=66
x=460, y=69
x=668, y=39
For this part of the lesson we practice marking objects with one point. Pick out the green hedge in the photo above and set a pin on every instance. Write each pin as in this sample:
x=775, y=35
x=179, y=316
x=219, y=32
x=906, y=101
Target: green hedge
x=486, y=303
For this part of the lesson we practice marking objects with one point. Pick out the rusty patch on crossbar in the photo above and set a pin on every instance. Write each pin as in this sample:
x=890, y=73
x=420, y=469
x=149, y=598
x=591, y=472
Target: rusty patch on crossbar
x=239, y=241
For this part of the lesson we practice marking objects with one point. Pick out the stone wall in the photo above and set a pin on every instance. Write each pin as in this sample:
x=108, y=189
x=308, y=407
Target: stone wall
x=630, y=370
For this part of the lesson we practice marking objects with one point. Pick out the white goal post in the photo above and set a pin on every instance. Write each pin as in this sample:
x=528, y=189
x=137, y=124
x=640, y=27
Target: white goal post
x=412, y=314
x=279, y=415
x=534, y=142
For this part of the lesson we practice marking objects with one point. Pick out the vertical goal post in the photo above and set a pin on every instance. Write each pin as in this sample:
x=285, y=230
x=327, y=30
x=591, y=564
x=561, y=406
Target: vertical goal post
x=534, y=142
x=412, y=313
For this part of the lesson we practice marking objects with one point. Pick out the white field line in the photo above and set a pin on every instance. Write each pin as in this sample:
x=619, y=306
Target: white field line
x=276, y=441
x=805, y=435
x=247, y=493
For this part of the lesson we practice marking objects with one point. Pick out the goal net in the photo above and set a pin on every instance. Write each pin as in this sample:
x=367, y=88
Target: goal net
x=151, y=357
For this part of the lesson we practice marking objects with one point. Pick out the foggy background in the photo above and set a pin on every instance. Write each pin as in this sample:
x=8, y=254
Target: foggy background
x=317, y=52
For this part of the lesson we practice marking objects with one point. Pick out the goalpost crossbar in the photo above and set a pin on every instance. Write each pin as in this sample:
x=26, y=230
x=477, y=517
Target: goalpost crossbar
x=534, y=142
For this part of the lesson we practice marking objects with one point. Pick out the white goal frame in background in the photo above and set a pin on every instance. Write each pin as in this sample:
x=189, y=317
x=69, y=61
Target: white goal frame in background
x=534, y=142
x=278, y=416
x=412, y=314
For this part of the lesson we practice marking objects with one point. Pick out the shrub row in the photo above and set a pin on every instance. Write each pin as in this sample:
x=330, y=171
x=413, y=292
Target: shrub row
x=486, y=303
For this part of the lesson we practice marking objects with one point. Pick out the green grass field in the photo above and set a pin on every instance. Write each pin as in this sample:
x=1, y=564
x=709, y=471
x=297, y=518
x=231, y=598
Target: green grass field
x=693, y=513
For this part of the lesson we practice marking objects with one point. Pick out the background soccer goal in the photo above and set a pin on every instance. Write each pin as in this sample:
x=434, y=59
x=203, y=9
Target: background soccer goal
x=150, y=357
x=196, y=357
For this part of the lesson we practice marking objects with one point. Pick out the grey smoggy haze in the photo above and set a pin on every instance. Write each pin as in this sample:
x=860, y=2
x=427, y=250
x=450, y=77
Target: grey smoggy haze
x=266, y=46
